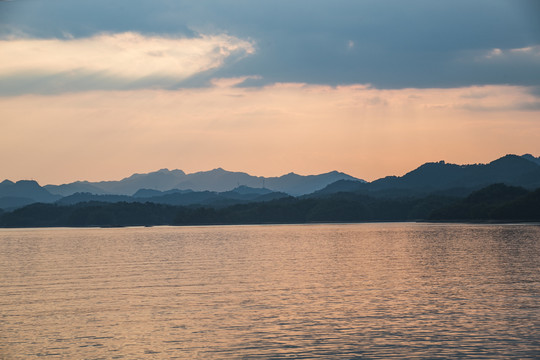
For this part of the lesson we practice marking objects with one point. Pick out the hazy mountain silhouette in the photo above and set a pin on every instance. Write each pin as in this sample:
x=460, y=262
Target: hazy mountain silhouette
x=437, y=191
x=14, y=202
x=213, y=188
x=75, y=187
x=163, y=179
x=148, y=193
x=87, y=197
x=510, y=169
x=441, y=177
x=246, y=190
x=296, y=185
x=218, y=180
x=22, y=193
x=529, y=157
x=179, y=197
x=495, y=202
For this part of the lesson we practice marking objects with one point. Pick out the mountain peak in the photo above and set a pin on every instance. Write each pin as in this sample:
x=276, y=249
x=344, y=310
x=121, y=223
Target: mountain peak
x=217, y=179
x=507, y=157
x=29, y=183
x=511, y=159
x=530, y=157
x=27, y=190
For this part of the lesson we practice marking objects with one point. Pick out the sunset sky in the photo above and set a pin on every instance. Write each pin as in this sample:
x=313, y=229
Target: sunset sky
x=98, y=90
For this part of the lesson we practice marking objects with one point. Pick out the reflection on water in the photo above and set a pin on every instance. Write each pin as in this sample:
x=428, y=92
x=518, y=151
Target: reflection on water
x=318, y=291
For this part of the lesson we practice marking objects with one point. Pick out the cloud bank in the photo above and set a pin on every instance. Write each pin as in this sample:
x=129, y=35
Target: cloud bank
x=119, y=61
x=387, y=43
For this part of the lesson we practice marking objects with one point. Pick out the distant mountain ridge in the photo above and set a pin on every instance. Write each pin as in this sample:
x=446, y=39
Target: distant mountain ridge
x=23, y=192
x=218, y=180
x=240, y=195
x=440, y=176
x=495, y=203
x=529, y=157
x=219, y=187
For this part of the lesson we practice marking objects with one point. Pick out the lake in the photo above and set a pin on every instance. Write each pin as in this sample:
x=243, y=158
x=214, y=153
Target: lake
x=339, y=291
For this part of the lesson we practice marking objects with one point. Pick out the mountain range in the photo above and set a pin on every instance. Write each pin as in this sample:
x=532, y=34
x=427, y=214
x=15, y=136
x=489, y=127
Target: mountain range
x=240, y=195
x=494, y=203
x=172, y=187
x=24, y=192
x=220, y=188
x=450, y=179
x=217, y=180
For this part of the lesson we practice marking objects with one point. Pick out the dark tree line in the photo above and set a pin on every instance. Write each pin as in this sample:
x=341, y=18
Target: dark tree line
x=496, y=202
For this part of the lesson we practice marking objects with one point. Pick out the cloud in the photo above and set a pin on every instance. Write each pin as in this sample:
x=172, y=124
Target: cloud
x=531, y=106
x=231, y=82
x=123, y=60
x=529, y=53
x=387, y=43
x=498, y=99
x=493, y=53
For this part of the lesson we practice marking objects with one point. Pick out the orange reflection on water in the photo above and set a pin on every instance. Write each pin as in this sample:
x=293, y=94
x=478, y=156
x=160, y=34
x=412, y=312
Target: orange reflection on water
x=327, y=291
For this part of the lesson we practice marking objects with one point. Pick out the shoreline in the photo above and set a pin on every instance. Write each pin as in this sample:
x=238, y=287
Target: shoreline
x=420, y=222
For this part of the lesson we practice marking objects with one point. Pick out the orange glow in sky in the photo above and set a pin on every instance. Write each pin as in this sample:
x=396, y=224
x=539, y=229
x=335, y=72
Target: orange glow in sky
x=266, y=131
x=369, y=88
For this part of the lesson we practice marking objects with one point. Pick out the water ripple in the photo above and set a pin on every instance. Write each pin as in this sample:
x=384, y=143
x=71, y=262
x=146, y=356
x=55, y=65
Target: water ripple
x=367, y=291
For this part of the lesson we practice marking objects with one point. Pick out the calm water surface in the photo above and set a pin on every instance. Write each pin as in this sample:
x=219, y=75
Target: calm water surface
x=366, y=291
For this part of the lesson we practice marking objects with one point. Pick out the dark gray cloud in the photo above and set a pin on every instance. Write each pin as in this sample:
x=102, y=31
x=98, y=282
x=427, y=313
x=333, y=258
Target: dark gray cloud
x=388, y=43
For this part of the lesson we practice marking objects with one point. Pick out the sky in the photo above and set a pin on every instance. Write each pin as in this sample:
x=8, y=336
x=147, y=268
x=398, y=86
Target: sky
x=99, y=90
